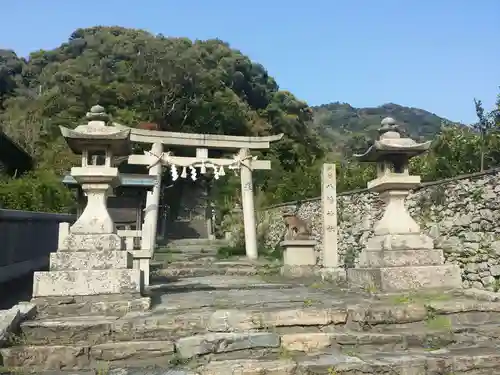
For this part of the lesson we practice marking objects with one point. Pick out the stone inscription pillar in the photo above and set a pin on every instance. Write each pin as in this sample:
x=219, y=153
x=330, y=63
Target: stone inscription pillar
x=329, y=208
x=247, y=201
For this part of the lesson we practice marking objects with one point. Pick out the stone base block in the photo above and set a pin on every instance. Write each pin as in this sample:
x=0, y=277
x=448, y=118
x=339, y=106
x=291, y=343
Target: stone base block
x=415, y=241
x=86, y=282
x=392, y=279
x=298, y=271
x=401, y=258
x=299, y=252
x=333, y=274
x=90, y=260
x=107, y=305
x=142, y=260
x=92, y=242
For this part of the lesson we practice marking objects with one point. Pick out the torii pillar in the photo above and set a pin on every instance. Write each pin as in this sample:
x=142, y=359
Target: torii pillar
x=248, y=206
x=151, y=210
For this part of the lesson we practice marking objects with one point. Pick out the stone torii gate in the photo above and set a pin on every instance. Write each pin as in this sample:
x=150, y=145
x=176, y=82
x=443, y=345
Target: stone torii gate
x=242, y=161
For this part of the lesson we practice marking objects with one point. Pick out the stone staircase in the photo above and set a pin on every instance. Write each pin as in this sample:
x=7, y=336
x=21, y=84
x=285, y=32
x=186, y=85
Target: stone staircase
x=189, y=249
x=222, y=325
x=198, y=257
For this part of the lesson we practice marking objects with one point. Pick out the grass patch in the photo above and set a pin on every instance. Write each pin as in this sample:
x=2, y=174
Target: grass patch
x=439, y=323
x=416, y=297
x=226, y=252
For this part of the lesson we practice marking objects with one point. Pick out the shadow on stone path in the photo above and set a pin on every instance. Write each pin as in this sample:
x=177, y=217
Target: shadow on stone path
x=15, y=291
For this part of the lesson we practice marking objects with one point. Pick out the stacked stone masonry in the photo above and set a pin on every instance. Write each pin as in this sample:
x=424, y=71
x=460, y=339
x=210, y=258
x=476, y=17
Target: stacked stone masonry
x=462, y=215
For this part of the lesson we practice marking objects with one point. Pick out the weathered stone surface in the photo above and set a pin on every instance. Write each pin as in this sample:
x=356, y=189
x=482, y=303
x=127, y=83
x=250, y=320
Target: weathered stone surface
x=86, y=282
x=189, y=347
x=46, y=357
x=482, y=294
x=90, y=260
x=9, y=319
x=299, y=252
x=388, y=314
x=68, y=330
x=232, y=320
x=306, y=342
x=304, y=317
x=298, y=271
x=250, y=367
x=131, y=350
x=27, y=310
x=402, y=258
x=326, y=363
x=113, y=305
x=92, y=242
x=145, y=371
x=207, y=271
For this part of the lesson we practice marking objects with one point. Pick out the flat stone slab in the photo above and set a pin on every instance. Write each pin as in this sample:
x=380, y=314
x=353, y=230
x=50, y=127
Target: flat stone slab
x=86, y=282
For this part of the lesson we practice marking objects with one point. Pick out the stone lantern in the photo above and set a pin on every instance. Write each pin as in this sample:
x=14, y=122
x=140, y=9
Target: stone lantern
x=90, y=261
x=97, y=143
x=399, y=256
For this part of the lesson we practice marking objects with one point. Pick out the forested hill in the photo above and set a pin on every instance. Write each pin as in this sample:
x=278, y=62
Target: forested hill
x=179, y=84
x=203, y=87
x=342, y=126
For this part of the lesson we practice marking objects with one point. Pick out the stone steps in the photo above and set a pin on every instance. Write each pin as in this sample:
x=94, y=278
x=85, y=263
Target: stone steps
x=103, y=305
x=168, y=258
x=95, y=330
x=206, y=267
x=192, y=246
x=133, y=356
x=198, y=272
x=447, y=362
x=197, y=242
x=206, y=249
x=211, y=324
x=477, y=361
x=168, y=337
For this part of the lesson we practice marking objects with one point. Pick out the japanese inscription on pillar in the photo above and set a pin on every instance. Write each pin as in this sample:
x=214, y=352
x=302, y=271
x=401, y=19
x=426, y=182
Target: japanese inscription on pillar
x=329, y=206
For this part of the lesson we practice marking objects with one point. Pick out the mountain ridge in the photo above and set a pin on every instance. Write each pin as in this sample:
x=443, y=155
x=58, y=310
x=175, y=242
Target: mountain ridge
x=342, y=126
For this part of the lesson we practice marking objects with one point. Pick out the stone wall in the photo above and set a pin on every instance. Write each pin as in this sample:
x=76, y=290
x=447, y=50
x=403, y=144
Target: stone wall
x=461, y=214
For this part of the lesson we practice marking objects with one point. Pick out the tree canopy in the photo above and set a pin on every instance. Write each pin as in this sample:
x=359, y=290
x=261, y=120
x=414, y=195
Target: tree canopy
x=179, y=84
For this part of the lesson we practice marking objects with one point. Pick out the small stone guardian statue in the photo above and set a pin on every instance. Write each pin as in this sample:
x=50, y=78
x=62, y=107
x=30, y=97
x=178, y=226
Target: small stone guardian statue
x=299, y=256
x=296, y=228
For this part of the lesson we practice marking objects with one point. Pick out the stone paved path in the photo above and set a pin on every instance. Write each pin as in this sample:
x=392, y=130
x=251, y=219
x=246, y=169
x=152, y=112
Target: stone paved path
x=222, y=324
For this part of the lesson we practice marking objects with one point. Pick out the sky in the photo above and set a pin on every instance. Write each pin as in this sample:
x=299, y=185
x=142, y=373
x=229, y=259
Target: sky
x=437, y=55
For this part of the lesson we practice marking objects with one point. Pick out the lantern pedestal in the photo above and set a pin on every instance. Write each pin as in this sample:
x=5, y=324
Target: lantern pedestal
x=399, y=257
